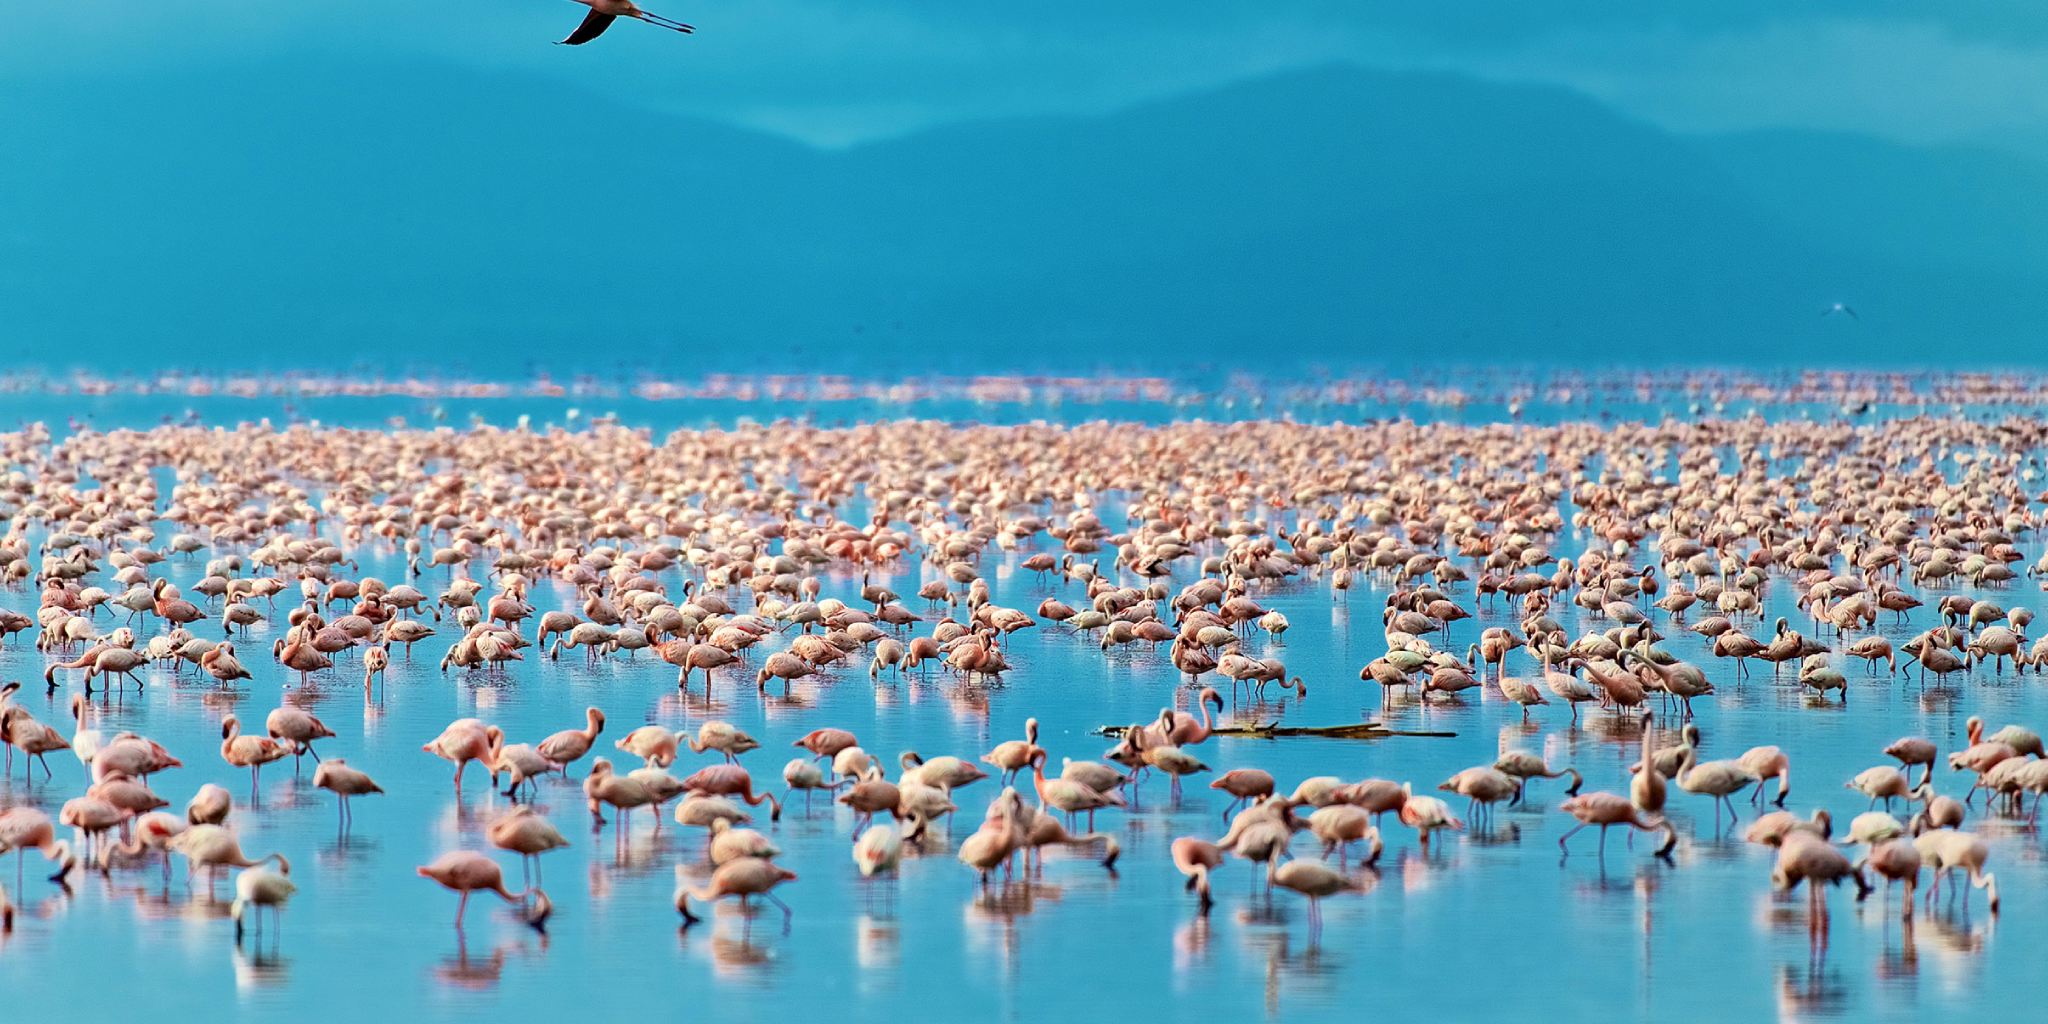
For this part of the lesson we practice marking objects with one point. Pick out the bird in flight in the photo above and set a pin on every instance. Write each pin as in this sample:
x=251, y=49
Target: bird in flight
x=1836, y=308
x=604, y=12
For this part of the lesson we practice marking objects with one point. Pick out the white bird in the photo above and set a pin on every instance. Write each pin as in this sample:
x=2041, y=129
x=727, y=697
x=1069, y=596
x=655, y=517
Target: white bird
x=879, y=850
x=261, y=887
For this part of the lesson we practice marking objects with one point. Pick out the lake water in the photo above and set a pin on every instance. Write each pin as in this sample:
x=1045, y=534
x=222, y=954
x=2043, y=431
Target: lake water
x=1491, y=923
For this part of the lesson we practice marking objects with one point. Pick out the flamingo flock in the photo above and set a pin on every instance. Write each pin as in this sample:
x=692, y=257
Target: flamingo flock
x=1578, y=561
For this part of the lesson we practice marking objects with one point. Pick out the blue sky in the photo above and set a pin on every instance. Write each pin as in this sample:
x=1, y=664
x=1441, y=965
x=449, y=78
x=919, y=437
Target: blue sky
x=834, y=71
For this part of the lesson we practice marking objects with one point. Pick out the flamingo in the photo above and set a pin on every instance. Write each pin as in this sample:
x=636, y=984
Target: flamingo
x=807, y=775
x=1608, y=810
x=732, y=780
x=878, y=851
x=1070, y=796
x=85, y=743
x=1881, y=783
x=523, y=831
x=1312, y=879
x=569, y=745
x=1896, y=860
x=258, y=888
x=1182, y=729
x=1427, y=814
x=1482, y=787
x=1804, y=857
x=1717, y=779
x=1243, y=784
x=603, y=786
x=724, y=738
x=1646, y=790
x=1944, y=851
x=463, y=741
x=1764, y=764
x=297, y=729
x=26, y=828
x=212, y=847
x=335, y=776
x=209, y=806
x=1013, y=756
x=468, y=872
x=251, y=752
x=34, y=740
x=826, y=744
x=1197, y=858
x=871, y=796
x=1340, y=825
x=746, y=878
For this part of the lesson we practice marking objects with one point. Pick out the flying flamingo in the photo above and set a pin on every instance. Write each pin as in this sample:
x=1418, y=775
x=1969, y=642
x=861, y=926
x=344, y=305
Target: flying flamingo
x=604, y=12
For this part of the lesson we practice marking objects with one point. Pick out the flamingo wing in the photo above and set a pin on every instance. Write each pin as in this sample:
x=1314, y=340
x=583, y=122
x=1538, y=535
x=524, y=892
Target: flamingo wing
x=593, y=26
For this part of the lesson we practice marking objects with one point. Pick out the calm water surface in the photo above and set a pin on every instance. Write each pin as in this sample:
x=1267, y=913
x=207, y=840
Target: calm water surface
x=1492, y=923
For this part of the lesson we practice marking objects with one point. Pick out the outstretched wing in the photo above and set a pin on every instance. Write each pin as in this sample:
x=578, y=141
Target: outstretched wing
x=593, y=26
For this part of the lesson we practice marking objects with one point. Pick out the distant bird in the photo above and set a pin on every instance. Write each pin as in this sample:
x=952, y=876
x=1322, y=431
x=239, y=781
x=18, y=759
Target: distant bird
x=604, y=12
x=1830, y=311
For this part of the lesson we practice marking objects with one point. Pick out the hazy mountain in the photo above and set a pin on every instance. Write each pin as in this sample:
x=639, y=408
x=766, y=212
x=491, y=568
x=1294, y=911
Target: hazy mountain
x=425, y=216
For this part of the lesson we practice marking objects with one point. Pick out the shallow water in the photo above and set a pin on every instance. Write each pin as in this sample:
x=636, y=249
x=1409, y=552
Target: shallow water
x=1493, y=921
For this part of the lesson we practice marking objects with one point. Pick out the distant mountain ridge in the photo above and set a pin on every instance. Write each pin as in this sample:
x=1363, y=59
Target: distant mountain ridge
x=418, y=216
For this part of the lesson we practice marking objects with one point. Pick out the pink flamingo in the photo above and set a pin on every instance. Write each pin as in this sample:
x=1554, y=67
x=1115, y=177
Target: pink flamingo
x=1183, y=729
x=604, y=12
x=465, y=740
x=746, y=877
x=466, y=872
x=731, y=780
x=1608, y=810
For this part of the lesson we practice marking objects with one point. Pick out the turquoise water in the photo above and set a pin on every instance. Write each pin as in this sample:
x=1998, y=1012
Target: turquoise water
x=1490, y=923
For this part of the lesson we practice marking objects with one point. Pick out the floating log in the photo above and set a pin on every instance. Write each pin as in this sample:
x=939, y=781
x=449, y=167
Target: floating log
x=1272, y=730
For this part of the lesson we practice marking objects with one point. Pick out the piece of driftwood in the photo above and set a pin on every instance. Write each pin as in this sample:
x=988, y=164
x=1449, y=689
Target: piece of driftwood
x=1271, y=730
